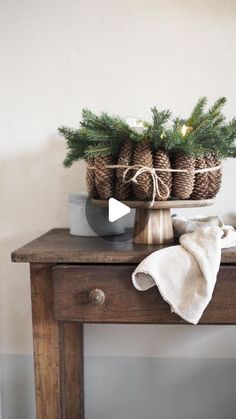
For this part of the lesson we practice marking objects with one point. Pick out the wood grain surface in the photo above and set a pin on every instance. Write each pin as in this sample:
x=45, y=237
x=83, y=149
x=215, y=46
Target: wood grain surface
x=46, y=345
x=153, y=226
x=58, y=246
x=72, y=286
x=58, y=354
x=171, y=203
x=71, y=371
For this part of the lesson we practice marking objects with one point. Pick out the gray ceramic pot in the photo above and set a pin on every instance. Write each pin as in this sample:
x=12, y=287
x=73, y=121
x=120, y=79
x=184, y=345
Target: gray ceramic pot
x=89, y=220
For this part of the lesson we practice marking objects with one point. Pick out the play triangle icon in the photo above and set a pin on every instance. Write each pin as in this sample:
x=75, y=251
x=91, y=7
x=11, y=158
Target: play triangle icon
x=116, y=210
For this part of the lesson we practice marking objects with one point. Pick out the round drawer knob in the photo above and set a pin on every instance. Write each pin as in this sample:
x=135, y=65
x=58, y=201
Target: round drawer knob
x=96, y=297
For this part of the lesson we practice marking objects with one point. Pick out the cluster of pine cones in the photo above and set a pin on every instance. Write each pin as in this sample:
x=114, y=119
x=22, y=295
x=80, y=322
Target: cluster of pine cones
x=104, y=182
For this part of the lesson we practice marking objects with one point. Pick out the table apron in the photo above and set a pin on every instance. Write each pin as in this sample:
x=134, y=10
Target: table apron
x=105, y=294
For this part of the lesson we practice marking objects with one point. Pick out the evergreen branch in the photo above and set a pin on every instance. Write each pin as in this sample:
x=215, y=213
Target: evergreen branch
x=216, y=108
x=97, y=136
x=98, y=151
x=232, y=152
x=205, y=131
x=209, y=131
x=113, y=126
x=76, y=142
x=197, y=114
x=156, y=131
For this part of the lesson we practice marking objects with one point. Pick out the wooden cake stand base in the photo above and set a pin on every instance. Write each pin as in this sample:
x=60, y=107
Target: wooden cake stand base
x=153, y=224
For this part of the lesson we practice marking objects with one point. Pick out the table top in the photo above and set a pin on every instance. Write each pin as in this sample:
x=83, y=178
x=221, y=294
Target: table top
x=58, y=246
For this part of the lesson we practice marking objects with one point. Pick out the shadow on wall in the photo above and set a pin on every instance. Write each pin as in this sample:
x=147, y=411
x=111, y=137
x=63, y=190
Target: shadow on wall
x=34, y=191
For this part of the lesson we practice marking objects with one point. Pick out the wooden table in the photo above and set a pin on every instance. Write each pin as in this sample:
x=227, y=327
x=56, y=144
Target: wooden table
x=77, y=280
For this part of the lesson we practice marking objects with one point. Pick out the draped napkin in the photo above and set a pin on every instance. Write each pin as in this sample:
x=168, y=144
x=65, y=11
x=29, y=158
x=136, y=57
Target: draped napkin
x=186, y=274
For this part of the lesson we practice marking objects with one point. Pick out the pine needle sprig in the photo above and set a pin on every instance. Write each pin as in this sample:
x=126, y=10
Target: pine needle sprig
x=217, y=106
x=157, y=130
x=197, y=114
x=175, y=142
x=76, y=142
x=223, y=145
x=205, y=131
x=98, y=150
x=112, y=126
x=105, y=133
x=95, y=136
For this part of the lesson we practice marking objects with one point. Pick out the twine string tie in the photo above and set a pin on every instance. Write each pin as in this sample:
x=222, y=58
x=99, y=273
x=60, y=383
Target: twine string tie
x=156, y=180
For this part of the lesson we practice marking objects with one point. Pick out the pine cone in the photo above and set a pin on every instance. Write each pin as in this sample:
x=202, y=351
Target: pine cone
x=104, y=176
x=143, y=156
x=214, y=177
x=183, y=183
x=90, y=179
x=122, y=190
x=162, y=161
x=201, y=180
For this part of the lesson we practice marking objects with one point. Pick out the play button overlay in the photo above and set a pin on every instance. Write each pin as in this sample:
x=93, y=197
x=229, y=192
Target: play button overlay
x=106, y=219
x=117, y=210
x=110, y=219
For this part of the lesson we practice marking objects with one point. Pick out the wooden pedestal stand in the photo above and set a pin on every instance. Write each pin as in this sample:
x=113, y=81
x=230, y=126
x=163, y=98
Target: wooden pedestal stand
x=153, y=224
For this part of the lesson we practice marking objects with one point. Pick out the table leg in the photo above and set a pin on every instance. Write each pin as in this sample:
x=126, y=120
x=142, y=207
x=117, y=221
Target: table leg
x=72, y=380
x=58, y=354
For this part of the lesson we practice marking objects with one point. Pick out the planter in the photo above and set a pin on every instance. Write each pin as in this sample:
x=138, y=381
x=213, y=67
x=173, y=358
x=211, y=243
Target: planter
x=89, y=220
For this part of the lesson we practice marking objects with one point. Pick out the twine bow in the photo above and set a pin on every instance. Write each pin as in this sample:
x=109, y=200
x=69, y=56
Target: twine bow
x=156, y=180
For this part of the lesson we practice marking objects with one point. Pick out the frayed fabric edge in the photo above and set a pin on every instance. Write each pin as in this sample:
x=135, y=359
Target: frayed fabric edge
x=172, y=307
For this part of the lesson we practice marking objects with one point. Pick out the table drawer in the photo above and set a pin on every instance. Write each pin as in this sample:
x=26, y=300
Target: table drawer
x=105, y=294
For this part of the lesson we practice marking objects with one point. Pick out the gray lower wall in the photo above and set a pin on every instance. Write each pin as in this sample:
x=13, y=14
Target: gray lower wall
x=17, y=387
x=133, y=388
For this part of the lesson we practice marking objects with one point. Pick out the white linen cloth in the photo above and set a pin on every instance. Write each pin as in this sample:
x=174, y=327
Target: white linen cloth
x=186, y=274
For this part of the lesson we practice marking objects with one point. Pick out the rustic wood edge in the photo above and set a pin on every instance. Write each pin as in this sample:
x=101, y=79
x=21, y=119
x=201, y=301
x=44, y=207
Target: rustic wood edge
x=172, y=203
x=41, y=250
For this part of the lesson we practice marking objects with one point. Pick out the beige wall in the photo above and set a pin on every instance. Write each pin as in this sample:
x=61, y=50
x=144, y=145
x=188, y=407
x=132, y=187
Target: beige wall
x=123, y=56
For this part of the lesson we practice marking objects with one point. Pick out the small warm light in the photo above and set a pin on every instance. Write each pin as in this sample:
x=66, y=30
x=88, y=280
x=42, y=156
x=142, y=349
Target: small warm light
x=184, y=130
x=137, y=123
